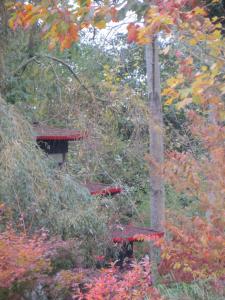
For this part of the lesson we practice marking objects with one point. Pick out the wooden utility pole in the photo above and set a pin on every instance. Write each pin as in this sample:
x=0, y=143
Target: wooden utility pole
x=3, y=34
x=157, y=191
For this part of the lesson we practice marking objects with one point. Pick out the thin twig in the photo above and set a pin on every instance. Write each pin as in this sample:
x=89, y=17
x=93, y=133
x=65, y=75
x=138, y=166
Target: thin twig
x=24, y=64
x=34, y=58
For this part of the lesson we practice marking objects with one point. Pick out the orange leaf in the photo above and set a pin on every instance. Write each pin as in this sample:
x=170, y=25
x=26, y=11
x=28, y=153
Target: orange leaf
x=132, y=32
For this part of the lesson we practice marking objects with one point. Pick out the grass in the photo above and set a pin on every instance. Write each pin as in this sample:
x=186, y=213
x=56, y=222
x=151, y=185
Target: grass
x=193, y=291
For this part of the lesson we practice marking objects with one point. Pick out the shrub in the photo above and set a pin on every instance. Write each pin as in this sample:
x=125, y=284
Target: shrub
x=133, y=284
x=21, y=258
x=196, y=249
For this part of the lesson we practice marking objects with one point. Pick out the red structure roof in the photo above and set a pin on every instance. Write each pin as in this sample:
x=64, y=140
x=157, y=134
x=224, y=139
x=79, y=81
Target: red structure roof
x=99, y=189
x=130, y=233
x=46, y=133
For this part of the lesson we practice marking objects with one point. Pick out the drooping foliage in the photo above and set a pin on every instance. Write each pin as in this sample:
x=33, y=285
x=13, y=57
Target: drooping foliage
x=37, y=195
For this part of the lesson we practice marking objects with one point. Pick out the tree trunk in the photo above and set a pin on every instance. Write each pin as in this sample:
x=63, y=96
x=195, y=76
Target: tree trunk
x=3, y=34
x=2, y=69
x=157, y=192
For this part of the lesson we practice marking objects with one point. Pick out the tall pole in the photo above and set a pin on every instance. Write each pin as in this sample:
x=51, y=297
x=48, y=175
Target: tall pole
x=157, y=191
x=3, y=34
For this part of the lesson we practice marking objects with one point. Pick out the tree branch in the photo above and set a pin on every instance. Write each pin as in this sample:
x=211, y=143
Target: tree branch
x=34, y=58
x=24, y=64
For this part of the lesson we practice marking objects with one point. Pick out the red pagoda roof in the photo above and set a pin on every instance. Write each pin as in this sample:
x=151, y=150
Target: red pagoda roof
x=46, y=133
x=99, y=189
x=130, y=233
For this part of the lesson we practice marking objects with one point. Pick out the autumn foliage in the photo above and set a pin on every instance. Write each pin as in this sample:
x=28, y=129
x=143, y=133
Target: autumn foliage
x=21, y=258
x=59, y=24
x=195, y=249
x=134, y=284
x=195, y=246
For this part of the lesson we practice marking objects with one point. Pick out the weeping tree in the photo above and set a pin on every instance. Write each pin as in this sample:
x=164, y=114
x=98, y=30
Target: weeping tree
x=36, y=195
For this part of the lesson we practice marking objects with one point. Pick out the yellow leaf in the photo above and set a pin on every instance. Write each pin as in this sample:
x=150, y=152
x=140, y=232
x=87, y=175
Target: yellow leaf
x=169, y=101
x=192, y=42
x=11, y=23
x=222, y=115
x=199, y=11
x=176, y=266
x=204, y=68
x=216, y=34
x=187, y=269
x=101, y=24
x=174, y=81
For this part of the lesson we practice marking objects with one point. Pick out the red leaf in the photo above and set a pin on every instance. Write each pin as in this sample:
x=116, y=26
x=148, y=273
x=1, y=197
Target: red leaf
x=132, y=32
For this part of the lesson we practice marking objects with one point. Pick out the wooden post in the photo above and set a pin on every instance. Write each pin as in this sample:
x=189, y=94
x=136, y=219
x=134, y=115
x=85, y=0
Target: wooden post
x=157, y=191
